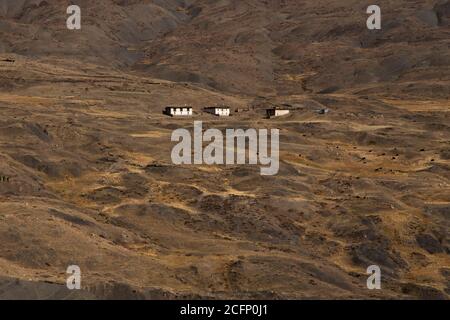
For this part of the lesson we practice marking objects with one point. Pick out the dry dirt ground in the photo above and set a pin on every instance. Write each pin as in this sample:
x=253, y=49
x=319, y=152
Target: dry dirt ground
x=86, y=176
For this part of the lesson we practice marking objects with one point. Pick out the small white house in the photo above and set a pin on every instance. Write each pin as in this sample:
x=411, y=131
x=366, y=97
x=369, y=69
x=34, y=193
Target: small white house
x=277, y=112
x=178, y=111
x=220, y=111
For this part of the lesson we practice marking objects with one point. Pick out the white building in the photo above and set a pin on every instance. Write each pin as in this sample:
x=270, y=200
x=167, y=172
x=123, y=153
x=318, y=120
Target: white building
x=220, y=111
x=178, y=111
x=276, y=112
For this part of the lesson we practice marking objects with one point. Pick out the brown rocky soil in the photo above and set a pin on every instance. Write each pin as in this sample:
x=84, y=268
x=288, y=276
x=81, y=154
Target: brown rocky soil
x=86, y=176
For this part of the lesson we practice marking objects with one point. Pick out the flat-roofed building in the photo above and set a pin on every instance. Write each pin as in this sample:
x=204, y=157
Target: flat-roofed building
x=220, y=111
x=277, y=112
x=175, y=111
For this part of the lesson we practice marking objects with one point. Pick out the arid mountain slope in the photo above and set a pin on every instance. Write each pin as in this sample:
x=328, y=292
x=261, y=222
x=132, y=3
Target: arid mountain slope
x=266, y=48
x=86, y=176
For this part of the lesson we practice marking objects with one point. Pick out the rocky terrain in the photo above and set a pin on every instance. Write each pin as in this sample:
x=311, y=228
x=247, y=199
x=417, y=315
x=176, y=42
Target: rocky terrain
x=86, y=176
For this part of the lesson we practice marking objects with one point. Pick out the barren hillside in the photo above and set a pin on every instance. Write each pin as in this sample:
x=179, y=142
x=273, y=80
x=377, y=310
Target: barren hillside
x=86, y=176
